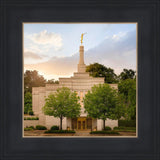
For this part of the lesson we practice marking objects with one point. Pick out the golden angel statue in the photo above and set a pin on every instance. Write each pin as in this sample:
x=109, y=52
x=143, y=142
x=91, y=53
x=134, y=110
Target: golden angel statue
x=82, y=37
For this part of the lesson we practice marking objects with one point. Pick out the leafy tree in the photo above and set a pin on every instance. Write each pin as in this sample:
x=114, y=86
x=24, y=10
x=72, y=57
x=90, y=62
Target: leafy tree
x=101, y=102
x=52, y=81
x=33, y=79
x=120, y=109
x=128, y=89
x=99, y=70
x=127, y=74
x=63, y=103
x=27, y=102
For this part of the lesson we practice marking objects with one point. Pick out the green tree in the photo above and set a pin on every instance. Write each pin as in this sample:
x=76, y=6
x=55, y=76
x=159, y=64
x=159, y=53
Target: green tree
x=27, y=102
x=52, y=81
x=99, y=70
x=33, y=79
x=101, y=102
x=127, y=74
x=128, y=89
x=120, y=109
x=63, y=103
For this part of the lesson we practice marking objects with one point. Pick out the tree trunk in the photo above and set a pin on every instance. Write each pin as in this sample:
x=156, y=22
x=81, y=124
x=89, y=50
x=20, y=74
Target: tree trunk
x=60, y=123
x=104, y=124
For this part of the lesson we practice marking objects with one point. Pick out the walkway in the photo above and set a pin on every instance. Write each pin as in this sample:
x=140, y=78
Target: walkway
x=82, y=132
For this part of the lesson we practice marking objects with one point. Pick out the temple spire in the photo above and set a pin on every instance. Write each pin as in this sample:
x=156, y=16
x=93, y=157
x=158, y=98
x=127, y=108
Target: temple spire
x=81, y=65
x=81, y=54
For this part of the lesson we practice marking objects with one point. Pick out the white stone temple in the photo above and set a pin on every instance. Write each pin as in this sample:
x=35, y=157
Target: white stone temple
x=81, y=82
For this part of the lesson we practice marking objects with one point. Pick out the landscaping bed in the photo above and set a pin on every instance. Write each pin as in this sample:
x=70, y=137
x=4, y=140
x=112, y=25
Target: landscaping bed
x=104, y=132
x=42, y=133
x=60, y=131
x=38, y=127
x=125, y=129
x=40, y=130
x=58, y=134
x=31, y=118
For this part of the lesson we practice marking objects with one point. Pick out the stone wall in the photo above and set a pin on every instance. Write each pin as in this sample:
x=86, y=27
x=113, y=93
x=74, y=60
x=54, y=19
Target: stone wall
x=28, y=123
x=94, y=123
x=51, y=121
x=69, y=122
x=111, y=123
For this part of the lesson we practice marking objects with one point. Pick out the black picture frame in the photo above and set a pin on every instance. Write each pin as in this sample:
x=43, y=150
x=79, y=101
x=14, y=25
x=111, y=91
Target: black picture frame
x=13, y=14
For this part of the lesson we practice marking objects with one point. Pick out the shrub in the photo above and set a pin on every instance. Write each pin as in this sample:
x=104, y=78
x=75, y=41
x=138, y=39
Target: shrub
x=107, y=128
x=60, y=131
x=126, y=123
x=55, y=128
x=116, y=128
x=39, y=127
x=30, y=113
x=25, y=112
x=29, y=128
x=32, y=127
x=31, y=118
x=104, y=132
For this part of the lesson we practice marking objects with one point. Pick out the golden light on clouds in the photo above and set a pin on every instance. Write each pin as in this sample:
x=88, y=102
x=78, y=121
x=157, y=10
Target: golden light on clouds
x=54, y=51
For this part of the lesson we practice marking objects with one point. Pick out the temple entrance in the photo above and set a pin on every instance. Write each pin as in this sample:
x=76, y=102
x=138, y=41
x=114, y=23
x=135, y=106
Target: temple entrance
x=81, y=123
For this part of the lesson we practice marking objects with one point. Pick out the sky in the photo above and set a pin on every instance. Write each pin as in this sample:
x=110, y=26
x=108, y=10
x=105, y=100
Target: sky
x=53, y=48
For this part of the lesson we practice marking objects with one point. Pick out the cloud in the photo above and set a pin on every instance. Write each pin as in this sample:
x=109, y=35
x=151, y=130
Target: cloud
x=117, y=54
x=29, y=54
x=56, y=66
x=119, y=36
x=33, y=58
x=49, y=39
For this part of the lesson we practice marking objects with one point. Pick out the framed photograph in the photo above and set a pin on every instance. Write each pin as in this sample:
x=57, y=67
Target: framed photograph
x=82, y=85
x=79, y=80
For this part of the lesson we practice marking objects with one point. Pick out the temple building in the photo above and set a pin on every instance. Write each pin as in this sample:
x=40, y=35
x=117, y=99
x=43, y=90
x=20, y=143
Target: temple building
x=81, y=82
